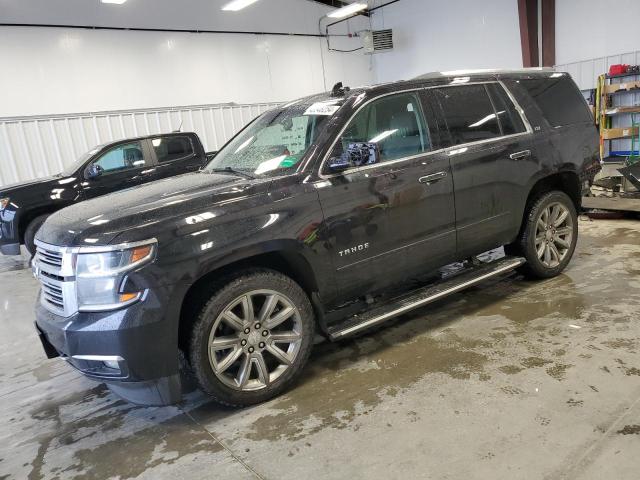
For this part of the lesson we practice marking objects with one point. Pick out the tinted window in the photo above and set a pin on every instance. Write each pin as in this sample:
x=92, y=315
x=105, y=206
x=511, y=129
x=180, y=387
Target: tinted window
x=122, y=157
x=172, y=148
x=395, y=123
x=468, y=113
x=559, y=99
x=510, y=120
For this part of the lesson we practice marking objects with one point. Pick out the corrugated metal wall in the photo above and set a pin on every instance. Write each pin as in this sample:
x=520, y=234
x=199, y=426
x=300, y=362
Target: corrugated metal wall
x=585, y=73
x=32, y=147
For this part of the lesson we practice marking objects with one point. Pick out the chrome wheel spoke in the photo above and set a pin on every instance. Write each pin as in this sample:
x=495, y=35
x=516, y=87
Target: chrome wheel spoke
x=564, y=231
x=267, y=308
x=232, y=320
x=547, y=254
x=263, y=371
x=280, y=317
x=555, y=254
x=247, y=309
x=222, y=343
x=561, y=218
x=229, y=360
x=285, y=337
x=279, y=354
x=560, y=241
x=244, y=372
x=541, y=250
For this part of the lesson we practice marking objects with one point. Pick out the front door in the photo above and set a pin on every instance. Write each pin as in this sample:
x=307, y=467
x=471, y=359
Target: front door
x=122, y=166
x=388, y=221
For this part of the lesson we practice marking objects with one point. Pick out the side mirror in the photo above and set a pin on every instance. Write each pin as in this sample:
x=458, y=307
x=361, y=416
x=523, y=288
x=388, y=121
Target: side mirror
x=93, y=171
x=356, y=155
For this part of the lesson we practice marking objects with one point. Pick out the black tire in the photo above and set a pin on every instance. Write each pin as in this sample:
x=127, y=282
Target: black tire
x=234, y=287
x=525, y=244
x=30, y=233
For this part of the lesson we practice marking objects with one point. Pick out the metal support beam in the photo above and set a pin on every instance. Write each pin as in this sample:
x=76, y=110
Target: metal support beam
x=548, y=33
x=528, y=15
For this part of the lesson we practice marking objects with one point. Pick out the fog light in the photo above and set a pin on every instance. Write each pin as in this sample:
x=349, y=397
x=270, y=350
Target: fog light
x=112, y=364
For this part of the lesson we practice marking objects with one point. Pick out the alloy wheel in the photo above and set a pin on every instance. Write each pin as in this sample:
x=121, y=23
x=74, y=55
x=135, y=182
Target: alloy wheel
x=554, y=234
x=255, y=339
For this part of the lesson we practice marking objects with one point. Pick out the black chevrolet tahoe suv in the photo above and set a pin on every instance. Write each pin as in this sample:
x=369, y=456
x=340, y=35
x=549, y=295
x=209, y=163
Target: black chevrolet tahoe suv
x=104, y=169
x=329, y=215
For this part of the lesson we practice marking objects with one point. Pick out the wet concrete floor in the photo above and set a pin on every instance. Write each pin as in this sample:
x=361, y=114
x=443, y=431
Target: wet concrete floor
x=512, y=379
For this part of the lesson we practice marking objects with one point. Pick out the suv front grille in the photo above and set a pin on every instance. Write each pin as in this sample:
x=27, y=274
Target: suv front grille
x=49, y=257
x=53, y=267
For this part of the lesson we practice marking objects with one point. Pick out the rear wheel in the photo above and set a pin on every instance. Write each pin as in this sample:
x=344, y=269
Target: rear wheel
x=252, y=338
x=549, y=235
x=30, y=233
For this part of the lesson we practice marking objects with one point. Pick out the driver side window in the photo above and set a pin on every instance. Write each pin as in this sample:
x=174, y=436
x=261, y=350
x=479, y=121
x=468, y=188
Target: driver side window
x=122, y=157
x=394, y=123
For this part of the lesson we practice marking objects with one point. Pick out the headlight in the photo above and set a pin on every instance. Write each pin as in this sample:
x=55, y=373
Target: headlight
x=100, y=274
x=4, y=202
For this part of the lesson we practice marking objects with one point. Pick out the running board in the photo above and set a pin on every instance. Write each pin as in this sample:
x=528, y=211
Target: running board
x=418, y=298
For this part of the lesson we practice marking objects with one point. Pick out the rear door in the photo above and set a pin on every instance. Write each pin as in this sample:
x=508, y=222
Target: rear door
x=491, y=159
x=175, y=155
x=123, y=166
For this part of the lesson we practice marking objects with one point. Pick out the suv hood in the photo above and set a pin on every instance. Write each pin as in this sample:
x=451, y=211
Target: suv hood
x=8, y=189
x=99, y=221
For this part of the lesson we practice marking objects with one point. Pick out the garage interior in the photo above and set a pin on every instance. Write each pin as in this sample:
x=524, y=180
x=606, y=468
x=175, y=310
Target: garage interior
x=507, y=379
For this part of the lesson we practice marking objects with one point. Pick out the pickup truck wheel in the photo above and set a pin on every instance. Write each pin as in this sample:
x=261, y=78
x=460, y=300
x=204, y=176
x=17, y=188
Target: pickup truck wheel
x=30, y=233
x=252, y=338
x=549, y=236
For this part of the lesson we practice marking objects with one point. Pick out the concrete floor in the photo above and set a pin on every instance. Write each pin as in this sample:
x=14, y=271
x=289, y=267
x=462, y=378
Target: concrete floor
x=510, y=380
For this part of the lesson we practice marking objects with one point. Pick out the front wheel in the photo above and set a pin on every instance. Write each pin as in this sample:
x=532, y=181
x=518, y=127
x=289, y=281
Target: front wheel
x=549, y=235
x=252, y=338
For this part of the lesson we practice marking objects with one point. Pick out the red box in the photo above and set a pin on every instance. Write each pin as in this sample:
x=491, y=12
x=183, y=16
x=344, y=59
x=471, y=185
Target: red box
x=618, y=69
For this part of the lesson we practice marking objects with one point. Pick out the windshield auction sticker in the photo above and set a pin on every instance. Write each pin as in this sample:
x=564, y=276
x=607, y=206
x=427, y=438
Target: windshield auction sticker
x=321, y=109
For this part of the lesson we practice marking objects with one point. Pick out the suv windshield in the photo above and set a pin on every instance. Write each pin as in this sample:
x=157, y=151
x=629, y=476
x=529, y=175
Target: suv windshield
x=276, y=141
x=72, y=168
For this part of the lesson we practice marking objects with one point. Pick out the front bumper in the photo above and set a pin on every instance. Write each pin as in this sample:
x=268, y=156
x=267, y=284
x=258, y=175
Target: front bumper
x=141, y=339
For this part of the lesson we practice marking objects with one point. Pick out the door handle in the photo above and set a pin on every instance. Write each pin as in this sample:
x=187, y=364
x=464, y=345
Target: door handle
x=519, y=155
x=433, y=178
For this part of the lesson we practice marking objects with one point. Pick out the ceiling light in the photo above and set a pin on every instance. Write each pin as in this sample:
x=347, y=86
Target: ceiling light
x=117, y=2
x=347, y=10
x=236, y=5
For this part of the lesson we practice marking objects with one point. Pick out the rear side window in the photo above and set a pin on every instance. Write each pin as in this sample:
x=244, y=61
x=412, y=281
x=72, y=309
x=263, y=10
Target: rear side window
x=172, y=148
x=510, y=120
x=559, y=99
x=469, y=113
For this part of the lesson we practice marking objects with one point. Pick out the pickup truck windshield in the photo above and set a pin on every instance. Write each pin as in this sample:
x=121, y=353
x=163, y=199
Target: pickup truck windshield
x=274, y=142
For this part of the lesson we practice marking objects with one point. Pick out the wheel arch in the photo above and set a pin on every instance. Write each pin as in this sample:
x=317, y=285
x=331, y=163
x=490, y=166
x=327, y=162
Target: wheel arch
x=288, y=261
x=30, y=215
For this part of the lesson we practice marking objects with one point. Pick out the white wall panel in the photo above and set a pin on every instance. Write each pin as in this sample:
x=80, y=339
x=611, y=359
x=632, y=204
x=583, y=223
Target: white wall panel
x=32, y=147
x=59, y=70
x=451, y=35
x=587, y=29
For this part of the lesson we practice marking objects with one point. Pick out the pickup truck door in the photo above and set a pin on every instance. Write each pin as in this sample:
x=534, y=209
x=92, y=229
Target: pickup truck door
x=124, y=165
x=492, y=160
x=176, y=154
x=387, y=221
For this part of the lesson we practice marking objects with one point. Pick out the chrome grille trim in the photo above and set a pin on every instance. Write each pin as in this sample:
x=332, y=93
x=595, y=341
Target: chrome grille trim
x=53, y=266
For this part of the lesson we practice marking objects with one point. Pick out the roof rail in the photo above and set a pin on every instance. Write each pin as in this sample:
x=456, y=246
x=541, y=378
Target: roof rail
x=455, y=73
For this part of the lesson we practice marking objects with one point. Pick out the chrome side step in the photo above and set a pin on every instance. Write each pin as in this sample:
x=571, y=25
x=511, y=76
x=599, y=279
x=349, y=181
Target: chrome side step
x=418, y=298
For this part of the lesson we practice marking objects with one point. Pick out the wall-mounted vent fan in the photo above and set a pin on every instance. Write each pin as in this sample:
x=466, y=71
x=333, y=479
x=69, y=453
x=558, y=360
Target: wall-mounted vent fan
x=377, y=40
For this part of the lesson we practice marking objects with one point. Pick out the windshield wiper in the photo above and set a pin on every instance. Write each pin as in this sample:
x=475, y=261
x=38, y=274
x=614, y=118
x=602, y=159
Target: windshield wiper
x=232, y=170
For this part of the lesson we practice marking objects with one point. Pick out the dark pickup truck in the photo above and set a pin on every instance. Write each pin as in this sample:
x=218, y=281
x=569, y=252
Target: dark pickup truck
x=106, y=168
x=330, y=215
